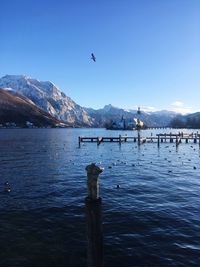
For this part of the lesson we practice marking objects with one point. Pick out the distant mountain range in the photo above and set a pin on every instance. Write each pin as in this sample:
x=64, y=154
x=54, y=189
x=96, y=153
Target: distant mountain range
x=151, y=119
x=41, y=103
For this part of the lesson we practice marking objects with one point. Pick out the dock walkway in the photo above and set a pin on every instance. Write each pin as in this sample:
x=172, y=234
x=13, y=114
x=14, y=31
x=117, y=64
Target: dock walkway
x=159, y=138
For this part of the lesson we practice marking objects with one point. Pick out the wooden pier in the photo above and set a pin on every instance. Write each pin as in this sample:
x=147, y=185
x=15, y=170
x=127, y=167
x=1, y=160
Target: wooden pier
x=159, y=138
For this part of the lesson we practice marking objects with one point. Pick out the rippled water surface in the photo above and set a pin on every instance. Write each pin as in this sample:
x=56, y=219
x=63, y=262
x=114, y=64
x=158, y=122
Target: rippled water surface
x=153, y=219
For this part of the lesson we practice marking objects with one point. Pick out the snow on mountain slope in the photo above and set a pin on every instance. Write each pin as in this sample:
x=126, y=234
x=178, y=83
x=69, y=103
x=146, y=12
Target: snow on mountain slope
x=48, y=97
x=17, y=110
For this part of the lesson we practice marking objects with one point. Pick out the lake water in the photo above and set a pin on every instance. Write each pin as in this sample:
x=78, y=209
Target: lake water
x=153, y=219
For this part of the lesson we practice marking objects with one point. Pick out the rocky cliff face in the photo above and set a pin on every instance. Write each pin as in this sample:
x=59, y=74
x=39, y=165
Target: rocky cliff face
x=49, y=98
x=18, y=111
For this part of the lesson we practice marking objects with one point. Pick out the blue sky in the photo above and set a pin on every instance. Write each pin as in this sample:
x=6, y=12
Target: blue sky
x=148, y=51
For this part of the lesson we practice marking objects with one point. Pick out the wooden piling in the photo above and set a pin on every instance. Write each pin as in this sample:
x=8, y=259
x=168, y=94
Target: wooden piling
x=120, y=139
x=99, y=140
x=178, y=140
x=94, y=218
x=139, y=141
x=79, y=141
x=94, y=232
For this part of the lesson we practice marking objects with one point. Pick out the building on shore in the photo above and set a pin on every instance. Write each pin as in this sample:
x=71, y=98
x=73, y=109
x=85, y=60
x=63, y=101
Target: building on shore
x=125, y=124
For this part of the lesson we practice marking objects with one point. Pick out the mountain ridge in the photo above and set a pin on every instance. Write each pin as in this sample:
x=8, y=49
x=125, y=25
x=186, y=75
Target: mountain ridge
x=151, y=119
x=18, y=111
x=48, y=97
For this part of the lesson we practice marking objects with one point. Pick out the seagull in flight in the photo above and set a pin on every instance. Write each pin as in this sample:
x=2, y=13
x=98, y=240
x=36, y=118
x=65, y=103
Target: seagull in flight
x=93, y=57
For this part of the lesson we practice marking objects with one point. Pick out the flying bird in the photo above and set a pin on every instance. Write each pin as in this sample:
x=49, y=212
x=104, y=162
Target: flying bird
x=93, y=57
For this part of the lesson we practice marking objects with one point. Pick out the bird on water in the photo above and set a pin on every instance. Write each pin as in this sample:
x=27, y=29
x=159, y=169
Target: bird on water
x=7, y=187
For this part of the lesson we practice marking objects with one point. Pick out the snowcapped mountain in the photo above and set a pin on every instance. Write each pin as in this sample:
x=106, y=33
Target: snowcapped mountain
x=48, y=97
x=51, y=99
x=18, y=111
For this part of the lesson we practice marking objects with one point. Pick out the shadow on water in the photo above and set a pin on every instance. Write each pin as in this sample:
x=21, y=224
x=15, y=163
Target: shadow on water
x=95, y=253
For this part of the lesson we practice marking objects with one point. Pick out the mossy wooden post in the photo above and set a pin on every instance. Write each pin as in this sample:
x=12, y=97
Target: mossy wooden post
x=93, y=216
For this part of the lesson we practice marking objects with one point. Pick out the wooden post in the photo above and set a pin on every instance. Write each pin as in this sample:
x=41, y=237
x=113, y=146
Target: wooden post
x=98, y=141
x=94, y=233
x=139, y=138
x=94, y=218
x=120, y=139
x=170, y=139
x=79, y=141
x=158, y=140
x=93, y=172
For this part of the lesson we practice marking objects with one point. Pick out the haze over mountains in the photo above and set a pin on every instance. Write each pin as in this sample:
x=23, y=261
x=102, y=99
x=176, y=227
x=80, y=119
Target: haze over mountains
x=46, y=97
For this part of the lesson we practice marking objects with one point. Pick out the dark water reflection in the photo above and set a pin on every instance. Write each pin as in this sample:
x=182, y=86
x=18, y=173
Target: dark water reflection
x=153, y=219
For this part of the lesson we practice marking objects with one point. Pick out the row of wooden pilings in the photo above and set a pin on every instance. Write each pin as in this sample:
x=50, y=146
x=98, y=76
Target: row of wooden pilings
x=178, y=138
x=119, y=139
x=159, y=138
